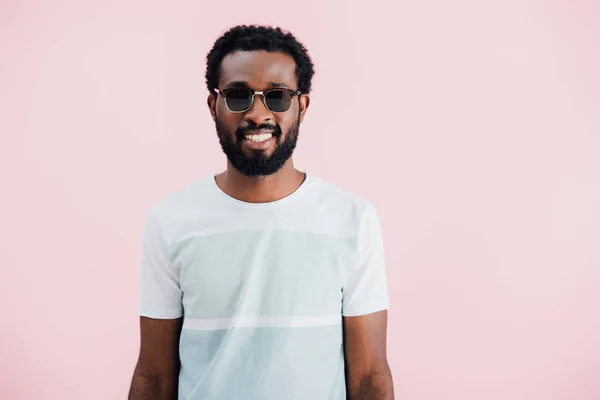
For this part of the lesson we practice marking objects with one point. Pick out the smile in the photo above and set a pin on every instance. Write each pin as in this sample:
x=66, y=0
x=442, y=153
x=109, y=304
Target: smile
x=261, y=137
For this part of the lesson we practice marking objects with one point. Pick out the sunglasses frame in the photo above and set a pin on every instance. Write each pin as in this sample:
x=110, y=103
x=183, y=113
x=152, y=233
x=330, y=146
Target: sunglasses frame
x=262, y=93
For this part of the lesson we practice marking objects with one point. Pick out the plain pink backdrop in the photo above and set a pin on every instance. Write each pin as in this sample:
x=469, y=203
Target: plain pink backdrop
x=474, y=126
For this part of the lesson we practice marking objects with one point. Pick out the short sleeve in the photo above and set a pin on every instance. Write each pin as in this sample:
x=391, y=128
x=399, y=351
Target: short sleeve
x=365, y=290
x=160, y=291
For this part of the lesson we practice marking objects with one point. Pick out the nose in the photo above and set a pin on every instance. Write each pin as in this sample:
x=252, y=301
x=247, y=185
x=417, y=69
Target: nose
x=258, y=113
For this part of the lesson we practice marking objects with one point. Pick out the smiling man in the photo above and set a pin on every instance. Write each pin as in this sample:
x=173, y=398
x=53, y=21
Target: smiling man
x=263, y=281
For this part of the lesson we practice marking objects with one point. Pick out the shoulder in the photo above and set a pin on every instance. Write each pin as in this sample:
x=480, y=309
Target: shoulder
x=185, y=198
x=174, y=210
x=333, y=201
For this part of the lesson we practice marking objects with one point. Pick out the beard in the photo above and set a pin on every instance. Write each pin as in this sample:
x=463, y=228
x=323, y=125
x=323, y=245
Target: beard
x=258, y=163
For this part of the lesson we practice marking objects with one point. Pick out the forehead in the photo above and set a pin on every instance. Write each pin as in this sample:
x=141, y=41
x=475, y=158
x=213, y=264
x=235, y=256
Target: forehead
x=258, y=68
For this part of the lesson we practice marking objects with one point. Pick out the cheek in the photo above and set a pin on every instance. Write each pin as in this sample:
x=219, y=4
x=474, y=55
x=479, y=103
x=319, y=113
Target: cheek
x=228, y=120
x=286, y=123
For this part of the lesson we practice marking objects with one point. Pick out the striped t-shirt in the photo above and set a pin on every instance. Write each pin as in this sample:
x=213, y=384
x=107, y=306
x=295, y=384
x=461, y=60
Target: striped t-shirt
x=262, y=287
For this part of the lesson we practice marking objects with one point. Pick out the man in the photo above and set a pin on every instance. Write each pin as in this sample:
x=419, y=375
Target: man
x=262, y=282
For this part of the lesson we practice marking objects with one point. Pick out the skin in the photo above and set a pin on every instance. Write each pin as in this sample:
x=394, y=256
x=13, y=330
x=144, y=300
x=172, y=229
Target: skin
x=157, y=370
x=368, y=375
x=260, y=70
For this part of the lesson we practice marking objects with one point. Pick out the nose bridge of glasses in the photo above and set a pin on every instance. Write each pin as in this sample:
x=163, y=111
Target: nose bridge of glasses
x=251, y=112
x=263, y=100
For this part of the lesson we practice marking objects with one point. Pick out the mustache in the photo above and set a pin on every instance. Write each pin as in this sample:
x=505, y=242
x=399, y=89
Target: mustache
x=240, y=132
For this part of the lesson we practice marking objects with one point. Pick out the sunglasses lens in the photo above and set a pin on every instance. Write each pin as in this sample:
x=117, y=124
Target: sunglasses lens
x=238, y=99
x=278, y=100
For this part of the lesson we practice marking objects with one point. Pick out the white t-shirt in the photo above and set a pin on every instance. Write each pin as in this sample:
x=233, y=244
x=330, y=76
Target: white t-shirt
x=262, y=287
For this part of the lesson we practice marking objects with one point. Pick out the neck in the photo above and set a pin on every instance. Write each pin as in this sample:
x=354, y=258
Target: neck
x=260, y=189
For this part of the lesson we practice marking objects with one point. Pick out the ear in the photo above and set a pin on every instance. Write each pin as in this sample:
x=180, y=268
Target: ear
x=304, y=101
x=211, y=101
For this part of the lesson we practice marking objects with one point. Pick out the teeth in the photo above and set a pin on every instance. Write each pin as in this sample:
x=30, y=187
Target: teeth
x=258, y=138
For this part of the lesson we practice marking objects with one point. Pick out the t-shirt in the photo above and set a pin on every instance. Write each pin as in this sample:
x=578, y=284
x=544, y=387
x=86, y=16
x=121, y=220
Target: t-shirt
x=262, y=287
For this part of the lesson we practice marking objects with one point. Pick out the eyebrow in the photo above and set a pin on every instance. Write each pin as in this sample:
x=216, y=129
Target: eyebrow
x=278, y=84
x=245, y=84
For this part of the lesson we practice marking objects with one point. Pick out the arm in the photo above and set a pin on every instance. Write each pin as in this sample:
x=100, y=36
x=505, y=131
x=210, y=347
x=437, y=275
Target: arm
x=368, y=375
x=157, y=370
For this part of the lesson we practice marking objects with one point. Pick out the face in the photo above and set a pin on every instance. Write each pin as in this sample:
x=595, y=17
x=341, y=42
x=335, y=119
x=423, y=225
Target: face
x=258, y=142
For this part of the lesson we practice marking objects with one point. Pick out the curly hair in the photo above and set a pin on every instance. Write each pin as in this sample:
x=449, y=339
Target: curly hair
x=256, y=37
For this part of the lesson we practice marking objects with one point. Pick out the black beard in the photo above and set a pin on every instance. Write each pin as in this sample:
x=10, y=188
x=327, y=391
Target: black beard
x=258, y=164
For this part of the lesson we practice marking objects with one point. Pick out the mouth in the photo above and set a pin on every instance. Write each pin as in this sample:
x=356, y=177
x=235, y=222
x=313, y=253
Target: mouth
x=259, y=139
x=258, y=136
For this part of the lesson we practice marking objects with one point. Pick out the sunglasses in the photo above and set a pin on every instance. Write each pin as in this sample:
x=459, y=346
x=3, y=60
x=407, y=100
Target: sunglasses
x=276, y=100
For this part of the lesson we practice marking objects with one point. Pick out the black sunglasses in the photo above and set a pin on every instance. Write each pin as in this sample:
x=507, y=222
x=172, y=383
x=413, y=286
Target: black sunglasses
x=276, y=100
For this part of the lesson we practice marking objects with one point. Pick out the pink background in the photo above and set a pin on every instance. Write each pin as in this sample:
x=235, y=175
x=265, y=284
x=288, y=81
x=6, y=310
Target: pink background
x=484, y=164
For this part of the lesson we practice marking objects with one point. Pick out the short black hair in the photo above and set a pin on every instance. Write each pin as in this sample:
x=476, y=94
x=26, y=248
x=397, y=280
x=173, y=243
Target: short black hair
x=258, y=37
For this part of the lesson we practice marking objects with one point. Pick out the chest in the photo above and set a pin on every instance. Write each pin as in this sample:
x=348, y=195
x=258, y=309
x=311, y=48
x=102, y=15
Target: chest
x=263, y=273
